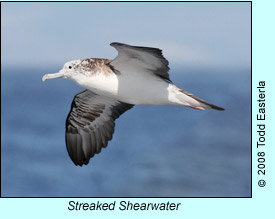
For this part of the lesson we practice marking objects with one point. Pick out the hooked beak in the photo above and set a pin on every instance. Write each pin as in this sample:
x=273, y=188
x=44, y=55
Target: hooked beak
x=51, y=76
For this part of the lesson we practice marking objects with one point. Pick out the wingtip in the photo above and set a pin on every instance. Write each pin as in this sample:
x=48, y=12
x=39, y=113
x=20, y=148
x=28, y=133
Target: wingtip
x=83, y=162
x=116, y=44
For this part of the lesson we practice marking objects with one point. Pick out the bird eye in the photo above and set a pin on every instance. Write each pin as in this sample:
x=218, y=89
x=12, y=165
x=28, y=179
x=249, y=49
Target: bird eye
x=70, y=67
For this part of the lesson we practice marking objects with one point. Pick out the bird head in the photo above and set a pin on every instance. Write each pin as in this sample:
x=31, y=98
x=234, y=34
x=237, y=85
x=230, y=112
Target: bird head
x=70, y=70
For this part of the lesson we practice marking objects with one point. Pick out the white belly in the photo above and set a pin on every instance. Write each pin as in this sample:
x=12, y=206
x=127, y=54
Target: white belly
x=132, y=88
x=143, y=90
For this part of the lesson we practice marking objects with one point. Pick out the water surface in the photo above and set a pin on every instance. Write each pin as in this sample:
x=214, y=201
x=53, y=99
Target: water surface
x=156, y=151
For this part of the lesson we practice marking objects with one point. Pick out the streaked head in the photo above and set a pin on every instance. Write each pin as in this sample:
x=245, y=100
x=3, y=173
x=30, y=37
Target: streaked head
x=69, y=70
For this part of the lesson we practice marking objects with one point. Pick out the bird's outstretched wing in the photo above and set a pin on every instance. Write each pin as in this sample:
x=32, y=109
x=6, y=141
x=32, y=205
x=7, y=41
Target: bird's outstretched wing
x=140, y=59
x=90, y=124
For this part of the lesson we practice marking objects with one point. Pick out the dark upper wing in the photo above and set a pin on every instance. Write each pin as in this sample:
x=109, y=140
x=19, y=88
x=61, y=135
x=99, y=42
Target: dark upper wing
x=140, y=59
x=90, y=125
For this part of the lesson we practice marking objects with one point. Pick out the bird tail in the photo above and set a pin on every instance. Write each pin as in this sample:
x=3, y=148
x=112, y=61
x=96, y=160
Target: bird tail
x=190, y=100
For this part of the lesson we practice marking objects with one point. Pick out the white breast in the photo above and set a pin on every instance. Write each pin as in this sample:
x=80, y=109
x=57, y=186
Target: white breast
x=134, y=88
x=101, y=84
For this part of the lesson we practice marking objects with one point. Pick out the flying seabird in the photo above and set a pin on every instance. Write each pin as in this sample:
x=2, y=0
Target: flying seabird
x=138, y=75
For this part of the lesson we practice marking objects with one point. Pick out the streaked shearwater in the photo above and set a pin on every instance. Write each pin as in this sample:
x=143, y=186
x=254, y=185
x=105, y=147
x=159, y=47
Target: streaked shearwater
x=138, y=75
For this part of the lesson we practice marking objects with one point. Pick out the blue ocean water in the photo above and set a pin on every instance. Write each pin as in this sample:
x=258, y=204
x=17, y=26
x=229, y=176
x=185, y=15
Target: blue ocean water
x=156, y=151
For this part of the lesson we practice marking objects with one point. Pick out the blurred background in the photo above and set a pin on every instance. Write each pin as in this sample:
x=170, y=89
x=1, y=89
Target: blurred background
x=156, y=151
